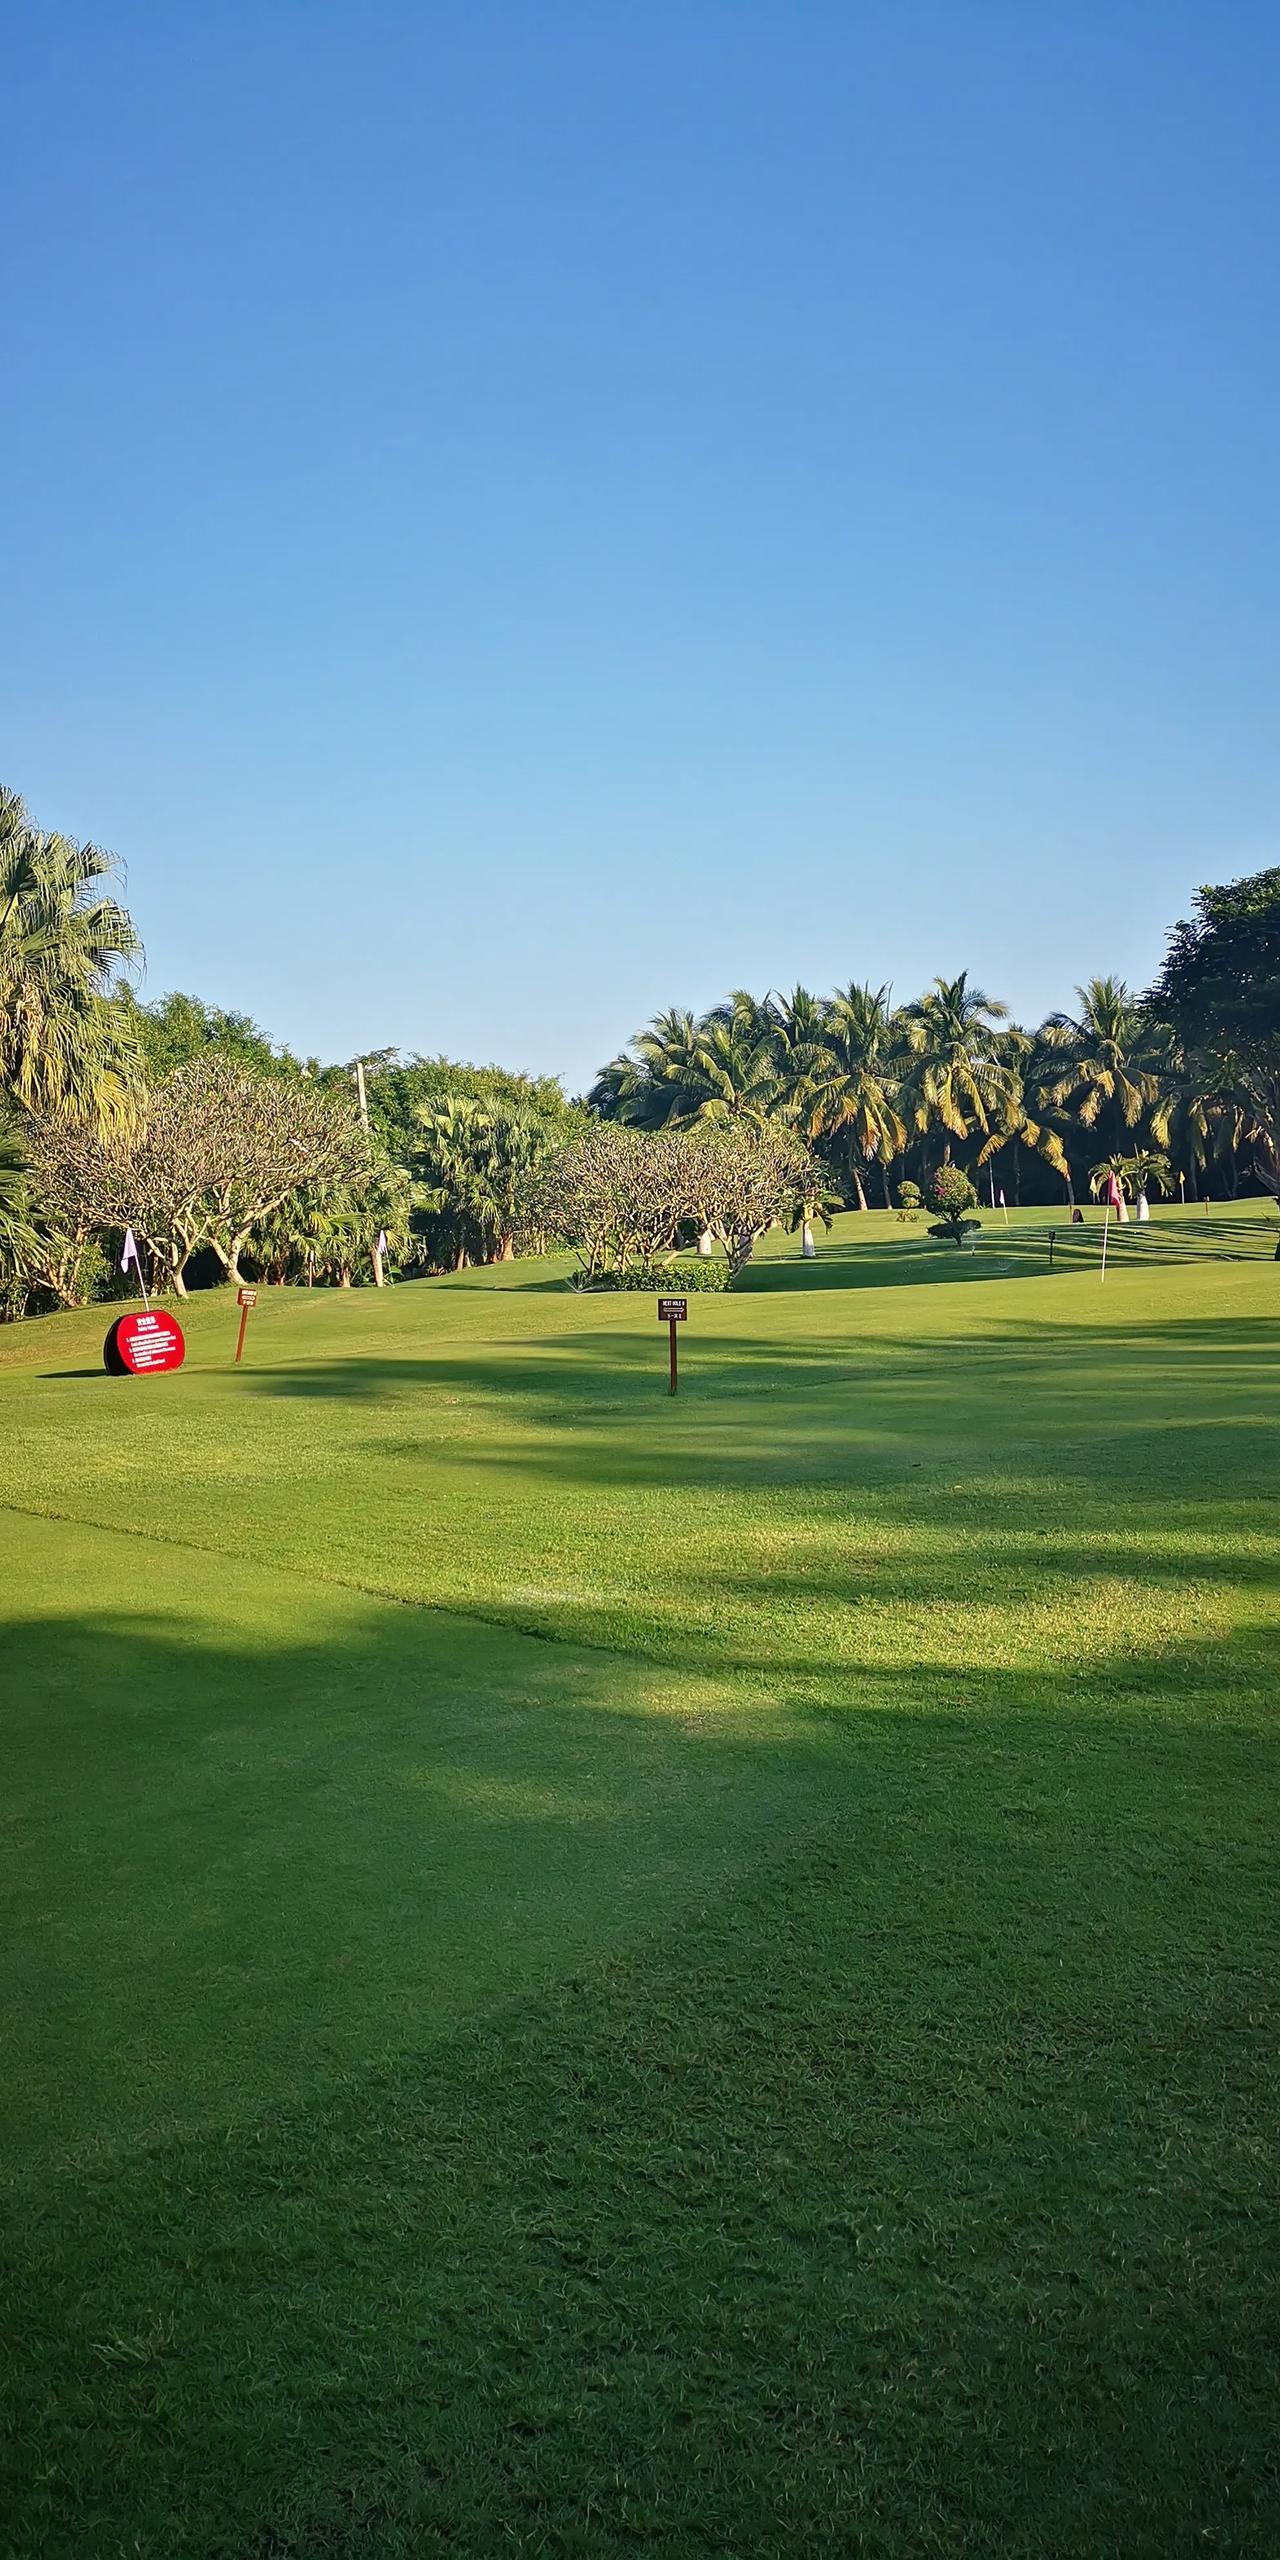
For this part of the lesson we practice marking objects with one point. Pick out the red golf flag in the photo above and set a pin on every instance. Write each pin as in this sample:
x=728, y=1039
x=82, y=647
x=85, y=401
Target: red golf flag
x=1115, y=1196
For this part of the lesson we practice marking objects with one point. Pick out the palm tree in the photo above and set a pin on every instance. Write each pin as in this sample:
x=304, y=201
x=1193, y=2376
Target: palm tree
x=63, y=1046
x=813, y=1200
x=1107, y=1061
x=958, y=1077
x=16, y=1239
x=1146, y=1170
x=855, y=1080
x=1015, y=1122
x=474, y=1164
x=800, y=1021
x=732, y=1075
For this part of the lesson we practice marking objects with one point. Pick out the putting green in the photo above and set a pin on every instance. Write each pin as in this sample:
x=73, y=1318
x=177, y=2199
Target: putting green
x=739, y=1924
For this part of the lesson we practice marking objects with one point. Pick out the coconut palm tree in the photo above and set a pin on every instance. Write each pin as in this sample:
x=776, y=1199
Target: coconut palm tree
x=732, y=1075
x=1018, y=1119
x=855, y=1081
x=64, y=1049
x=958, y=1077
x=1103, y=1063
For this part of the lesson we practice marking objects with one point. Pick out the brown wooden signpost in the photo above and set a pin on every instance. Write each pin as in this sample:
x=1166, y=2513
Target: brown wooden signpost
x=246, y=1299
x=671, y=1312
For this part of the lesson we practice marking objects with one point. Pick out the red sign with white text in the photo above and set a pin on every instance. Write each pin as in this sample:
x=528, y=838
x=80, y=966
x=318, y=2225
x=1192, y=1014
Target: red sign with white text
x=138, y=1344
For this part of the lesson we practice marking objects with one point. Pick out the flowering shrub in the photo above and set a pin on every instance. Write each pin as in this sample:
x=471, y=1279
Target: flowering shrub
x=951, y=1193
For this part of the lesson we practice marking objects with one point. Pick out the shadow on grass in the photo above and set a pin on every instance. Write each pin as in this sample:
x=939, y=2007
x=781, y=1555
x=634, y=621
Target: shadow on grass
x=882, y=2161
x=1168, y=1370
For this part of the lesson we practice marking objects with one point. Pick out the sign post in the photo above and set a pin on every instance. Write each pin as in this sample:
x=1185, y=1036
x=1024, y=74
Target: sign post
x=671, y=1312
x=246, y=1298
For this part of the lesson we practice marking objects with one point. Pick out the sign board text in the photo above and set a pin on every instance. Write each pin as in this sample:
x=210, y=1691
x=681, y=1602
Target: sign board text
x=138, y=1344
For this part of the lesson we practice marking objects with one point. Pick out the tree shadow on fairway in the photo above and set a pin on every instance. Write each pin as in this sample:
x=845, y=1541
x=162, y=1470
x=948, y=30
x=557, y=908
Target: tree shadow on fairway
x=1198, y=1350
x=884, y=2166
x=239, y=1865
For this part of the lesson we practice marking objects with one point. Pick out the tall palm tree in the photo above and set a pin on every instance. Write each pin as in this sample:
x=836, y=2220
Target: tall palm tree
x=958, y=1077
x=733, y=1074
x=63, y=1046
x=800, y=1021
x=855, y=1081
x=1018, y=1119
x=656, y=1081
x=1104, y=1062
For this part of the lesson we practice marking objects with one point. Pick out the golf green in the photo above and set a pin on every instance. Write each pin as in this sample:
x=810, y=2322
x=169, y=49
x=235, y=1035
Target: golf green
x=587, y=1969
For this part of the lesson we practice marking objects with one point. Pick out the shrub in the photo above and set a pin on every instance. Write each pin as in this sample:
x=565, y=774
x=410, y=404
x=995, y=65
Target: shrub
x=662, y=1279
x=951, y=1193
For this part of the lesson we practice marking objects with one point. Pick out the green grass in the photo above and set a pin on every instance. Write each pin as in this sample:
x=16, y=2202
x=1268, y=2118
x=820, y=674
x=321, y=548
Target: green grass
x=589, y=1972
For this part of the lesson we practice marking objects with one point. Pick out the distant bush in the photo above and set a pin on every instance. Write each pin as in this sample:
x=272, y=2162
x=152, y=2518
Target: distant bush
x=662, y=1279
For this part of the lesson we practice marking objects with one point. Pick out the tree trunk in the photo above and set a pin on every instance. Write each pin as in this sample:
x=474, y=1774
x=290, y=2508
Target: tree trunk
x=507, y=1249
x=857, y=1184
x=1192, y=1192
x=1017, y=1174
x=706, y=1245
x=177, y=1281
x=884, y=1181
x=807, y=1246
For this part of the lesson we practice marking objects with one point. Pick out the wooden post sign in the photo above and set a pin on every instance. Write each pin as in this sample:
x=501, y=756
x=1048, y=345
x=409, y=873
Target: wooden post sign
x=138, y=1344
x=245, y=1299
x=671, y=1312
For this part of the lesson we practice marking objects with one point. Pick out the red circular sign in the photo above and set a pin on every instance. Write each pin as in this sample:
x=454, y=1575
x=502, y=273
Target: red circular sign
x=138, y=1344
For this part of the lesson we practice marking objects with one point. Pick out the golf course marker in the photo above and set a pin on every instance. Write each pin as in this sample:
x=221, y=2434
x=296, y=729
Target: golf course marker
x=671, y=1312
x=245, y=1299
x=138, y=1344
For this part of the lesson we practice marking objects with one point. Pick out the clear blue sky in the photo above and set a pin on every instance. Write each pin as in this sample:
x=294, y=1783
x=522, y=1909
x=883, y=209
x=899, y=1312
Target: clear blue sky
x=517, y=515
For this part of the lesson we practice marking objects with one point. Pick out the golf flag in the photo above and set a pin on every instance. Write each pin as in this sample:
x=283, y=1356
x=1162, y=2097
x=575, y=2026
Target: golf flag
x=1115, y=1196
x=1002, y=1199
x=382, y=1239
x=130, y=1254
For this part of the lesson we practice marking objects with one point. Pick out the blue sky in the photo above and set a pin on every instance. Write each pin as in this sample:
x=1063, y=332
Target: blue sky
x=518, y=515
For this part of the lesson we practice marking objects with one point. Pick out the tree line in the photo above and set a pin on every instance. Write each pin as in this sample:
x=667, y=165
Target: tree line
x=231, y=1156
x=1178, y=1088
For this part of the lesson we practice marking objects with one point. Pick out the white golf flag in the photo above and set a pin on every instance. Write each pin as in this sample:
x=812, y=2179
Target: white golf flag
x=382, y=1239
x=1002, y=1199
x=130, y=1253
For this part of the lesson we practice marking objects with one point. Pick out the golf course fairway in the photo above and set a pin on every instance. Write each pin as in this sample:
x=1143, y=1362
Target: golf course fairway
x=589, y=1971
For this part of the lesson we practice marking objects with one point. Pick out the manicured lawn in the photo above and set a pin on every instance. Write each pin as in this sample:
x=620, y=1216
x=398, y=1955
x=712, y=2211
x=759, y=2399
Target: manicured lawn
x=586, y=1972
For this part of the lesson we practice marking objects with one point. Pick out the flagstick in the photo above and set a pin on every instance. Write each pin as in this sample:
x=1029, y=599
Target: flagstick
x=1106, y=1221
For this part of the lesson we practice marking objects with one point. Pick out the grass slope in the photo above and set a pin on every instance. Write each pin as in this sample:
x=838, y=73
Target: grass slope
x=588, y=1970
